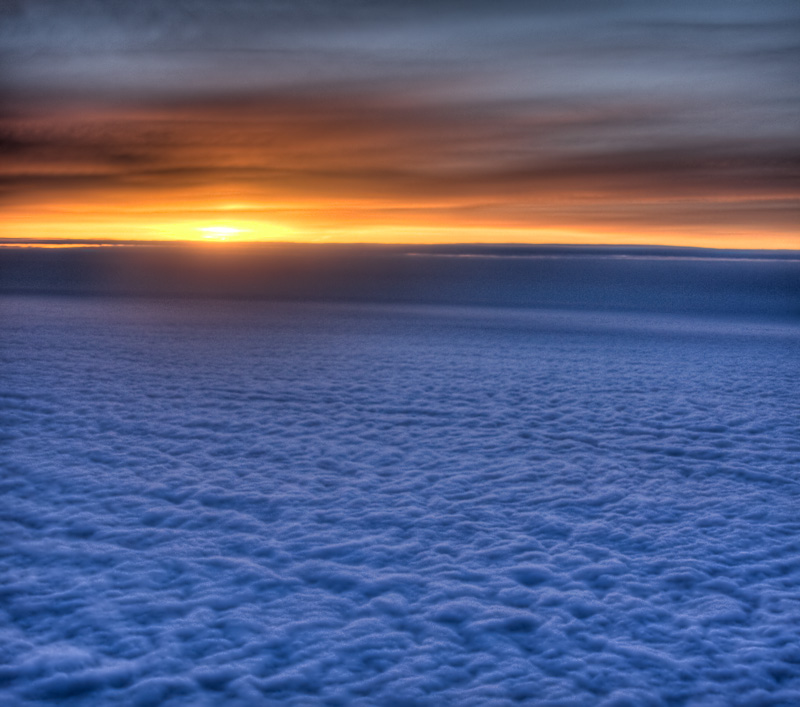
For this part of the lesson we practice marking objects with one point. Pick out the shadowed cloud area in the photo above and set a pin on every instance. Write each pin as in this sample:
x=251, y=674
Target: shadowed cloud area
x=669, y=280
x=675, y=121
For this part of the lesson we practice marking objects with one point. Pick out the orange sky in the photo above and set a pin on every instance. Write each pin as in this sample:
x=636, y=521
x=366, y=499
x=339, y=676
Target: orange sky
x=330, y=169
x=334, y=169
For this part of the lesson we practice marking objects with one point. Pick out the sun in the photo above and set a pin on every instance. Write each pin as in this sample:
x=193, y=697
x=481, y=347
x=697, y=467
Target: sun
x=219, y=233
x=228, y=231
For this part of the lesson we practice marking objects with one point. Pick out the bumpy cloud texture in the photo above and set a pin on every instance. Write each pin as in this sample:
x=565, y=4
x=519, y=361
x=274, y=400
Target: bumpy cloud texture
x=210, y=503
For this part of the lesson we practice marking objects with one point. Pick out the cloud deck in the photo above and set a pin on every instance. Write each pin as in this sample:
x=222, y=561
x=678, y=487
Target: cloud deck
x=285, y=503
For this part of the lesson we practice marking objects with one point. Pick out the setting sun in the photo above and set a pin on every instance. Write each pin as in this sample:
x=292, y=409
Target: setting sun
x=220, y=233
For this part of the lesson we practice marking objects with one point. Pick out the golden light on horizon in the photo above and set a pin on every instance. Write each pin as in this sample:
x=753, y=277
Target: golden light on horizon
x=192, y=216
x=52, y=232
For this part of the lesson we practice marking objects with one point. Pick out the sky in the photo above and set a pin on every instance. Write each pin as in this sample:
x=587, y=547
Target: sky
x=406, y=122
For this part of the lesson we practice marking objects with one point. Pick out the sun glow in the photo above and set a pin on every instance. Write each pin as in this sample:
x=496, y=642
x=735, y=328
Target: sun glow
x=232, y=231
x=184, y=220
x=220, y=233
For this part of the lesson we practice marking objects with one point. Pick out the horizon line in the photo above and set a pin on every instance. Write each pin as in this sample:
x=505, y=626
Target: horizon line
x=422, y=248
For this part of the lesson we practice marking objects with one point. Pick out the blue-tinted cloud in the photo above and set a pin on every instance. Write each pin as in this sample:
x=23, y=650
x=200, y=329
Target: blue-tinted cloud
x=713, y=282
x=228, y=503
